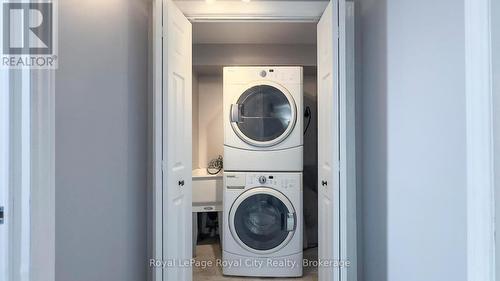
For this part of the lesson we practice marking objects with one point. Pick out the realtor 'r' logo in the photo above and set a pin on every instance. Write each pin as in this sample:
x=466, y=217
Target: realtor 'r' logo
x=29, y=34
x=27, y=28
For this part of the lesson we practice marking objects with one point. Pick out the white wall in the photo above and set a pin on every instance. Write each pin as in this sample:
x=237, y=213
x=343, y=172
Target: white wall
x=210, y=126
x=413, y=149
x=495, y=25
x=101, y=140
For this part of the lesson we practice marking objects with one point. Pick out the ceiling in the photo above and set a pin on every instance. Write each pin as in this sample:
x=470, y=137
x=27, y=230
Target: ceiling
x=254, y=32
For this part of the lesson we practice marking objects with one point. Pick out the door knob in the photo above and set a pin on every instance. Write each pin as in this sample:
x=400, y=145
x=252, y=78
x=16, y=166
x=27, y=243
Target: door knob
x=181, y=183
x=324, y=183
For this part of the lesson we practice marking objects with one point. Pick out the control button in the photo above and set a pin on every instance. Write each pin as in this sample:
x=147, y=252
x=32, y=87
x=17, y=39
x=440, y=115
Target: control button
x=263, y=73
x=262, y=179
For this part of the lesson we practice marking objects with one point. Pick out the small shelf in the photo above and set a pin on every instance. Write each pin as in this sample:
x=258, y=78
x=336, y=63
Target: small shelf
x=208, y=207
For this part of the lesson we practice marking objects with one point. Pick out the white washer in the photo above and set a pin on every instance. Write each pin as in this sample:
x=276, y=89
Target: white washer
x=263, y=116
x=262, y=229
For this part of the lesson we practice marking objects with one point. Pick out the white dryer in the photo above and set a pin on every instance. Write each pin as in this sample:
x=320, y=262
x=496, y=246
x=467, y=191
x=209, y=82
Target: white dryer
x=262, y=229
x=263, y=115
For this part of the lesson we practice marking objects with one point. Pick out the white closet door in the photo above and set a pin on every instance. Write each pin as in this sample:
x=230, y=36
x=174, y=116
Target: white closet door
x=4, y=175
x=177, y=183
x=328, y=143
x=336, y=167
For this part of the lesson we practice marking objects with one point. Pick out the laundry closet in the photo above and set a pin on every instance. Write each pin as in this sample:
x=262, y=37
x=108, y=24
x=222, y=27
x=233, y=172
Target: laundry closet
x=270, y=46
x=254, y=140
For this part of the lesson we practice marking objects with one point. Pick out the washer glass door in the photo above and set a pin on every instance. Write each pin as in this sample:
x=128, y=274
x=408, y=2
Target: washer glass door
x=265, y=115
x=263, y=222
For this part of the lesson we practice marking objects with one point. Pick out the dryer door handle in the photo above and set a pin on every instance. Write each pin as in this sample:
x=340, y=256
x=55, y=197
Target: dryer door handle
x=290, y=222
x=235, y=113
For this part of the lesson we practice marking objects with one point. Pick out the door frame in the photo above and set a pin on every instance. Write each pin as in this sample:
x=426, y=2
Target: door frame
x=27, y=187
x=156, y=173
x=479, y=144
x=16, y=134
x=302, y=11
x=271, y=11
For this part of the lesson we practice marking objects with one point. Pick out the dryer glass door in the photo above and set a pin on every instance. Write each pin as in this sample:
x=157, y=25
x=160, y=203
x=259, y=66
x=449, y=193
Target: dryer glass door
x=263, y=222
x=265, y=114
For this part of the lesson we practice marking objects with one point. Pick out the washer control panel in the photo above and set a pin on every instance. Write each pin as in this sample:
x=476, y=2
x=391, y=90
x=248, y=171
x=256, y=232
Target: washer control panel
x=274, y=180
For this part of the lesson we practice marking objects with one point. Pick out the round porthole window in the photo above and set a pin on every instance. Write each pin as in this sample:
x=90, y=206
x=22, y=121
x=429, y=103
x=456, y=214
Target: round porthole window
x=262, y=220
x=266, y=115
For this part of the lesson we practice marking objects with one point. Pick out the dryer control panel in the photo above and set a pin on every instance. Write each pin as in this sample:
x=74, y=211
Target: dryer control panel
x=280, y=74
x=277, y=181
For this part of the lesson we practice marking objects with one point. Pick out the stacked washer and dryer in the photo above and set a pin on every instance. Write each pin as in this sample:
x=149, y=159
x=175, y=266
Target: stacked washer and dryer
x=263, y=162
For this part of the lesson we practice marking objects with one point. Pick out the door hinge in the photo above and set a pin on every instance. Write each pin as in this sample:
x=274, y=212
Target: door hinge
x=2, y=215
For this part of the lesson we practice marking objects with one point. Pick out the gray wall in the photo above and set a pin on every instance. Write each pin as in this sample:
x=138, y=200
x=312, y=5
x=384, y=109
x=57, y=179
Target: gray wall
x=101, y=140
x=413, y=148
x=210, y=130
x=195, y=116
x=254, y=54
x=310, y=181
x=371, y=94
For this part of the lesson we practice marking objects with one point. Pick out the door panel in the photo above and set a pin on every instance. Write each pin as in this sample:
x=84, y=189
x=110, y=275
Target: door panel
x=328, y=142
x=5, y=147
x=326, y=243
x=177, y=107
x=336, y=141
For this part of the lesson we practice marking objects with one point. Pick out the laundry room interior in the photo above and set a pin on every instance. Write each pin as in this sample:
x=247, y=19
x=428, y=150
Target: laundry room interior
x=265, y=45
x=108, y=122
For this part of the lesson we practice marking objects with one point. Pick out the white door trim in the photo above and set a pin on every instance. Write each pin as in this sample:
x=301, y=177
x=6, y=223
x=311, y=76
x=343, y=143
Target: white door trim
x=193, y=12
x=480, y=187
x=347, y=143
x=23, y=197
x=308, y=11
x=28, y=190
x=18, y=184
x=42, y=195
